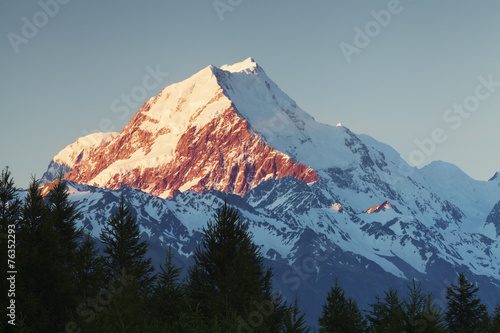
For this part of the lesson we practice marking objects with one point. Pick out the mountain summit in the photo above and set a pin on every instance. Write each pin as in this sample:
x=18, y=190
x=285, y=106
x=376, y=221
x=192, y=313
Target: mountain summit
x=226, y=129
x=213, y=131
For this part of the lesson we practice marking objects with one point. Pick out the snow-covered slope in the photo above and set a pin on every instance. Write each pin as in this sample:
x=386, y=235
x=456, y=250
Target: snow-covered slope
x=280, y=121
x=73, y=154
x=493, y=221
x=474, y=198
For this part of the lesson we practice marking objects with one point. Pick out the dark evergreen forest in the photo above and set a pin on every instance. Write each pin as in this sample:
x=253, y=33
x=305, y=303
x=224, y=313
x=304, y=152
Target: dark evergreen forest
x=64, y=283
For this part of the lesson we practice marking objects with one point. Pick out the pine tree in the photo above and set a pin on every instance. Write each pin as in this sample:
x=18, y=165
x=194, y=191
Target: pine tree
x=295, y=320
x=89, y=278
x=124, y=249
x=47, y=244
x=34, y=215
x=45, y=290
x=420, y=312
x=168, y=295
x=495, y=319
x=228, y=282
x=33, y=264
x=89, y=268
x=340, y=314
x=64, y=216
x=10, y=205
x=465, y=312
x=129, y=273
x=387, y=315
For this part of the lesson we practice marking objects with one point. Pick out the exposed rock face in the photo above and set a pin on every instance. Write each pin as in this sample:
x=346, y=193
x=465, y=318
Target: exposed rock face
x=191, y=136
x=375, y=209
x=74, y=154
x=496, y=176
x=338, y=207
x=223, y=155
x=494, y=218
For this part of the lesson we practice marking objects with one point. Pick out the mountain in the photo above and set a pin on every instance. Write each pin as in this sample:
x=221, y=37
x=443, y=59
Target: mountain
x=305, y=189
x=191, y=136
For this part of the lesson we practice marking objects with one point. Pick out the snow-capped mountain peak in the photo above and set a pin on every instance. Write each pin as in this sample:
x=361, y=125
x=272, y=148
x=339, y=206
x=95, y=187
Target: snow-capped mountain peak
x=207, y=132
x=227, y=128
x=232, y=130
x=246, y=66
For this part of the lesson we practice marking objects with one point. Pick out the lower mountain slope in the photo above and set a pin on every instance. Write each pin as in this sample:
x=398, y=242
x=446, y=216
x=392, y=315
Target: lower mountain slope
x=309, y=243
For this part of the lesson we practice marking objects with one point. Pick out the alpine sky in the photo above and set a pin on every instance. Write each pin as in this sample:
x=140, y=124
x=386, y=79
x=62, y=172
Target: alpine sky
x=421, y=76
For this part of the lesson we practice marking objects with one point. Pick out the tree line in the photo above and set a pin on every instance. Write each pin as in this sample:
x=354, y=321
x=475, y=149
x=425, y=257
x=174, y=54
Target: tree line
x=66, y=284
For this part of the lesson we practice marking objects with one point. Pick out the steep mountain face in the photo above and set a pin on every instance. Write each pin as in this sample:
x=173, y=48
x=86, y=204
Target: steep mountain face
x=493, y=219
x=474, y=198
x=495, y=177
x=189, y=137
x=305, y=189
x=73, y=155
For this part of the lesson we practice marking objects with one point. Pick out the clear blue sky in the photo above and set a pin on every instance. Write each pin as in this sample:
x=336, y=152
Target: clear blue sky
x=64, y=77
